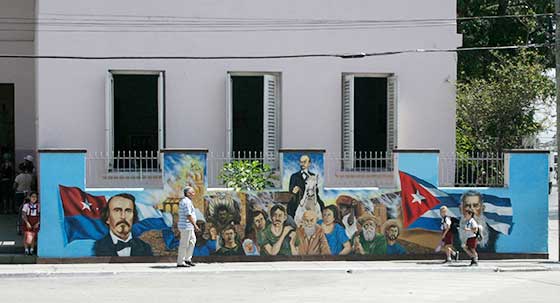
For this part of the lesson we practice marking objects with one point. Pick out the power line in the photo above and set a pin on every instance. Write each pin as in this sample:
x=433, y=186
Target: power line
x=222, y=30
x=165, y=20
x=172, y=24
x=319, y=55
x=121, y=16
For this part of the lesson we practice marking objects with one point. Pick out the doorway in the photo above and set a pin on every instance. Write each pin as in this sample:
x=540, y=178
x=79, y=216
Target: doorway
x=10, y=241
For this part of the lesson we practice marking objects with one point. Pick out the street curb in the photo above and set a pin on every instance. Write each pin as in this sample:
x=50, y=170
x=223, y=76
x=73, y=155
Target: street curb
x=172, y=270
x=529, y=269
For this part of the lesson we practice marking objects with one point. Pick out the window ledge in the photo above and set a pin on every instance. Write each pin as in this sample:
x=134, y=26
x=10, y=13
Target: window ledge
x=364, y=174
x=132, y=174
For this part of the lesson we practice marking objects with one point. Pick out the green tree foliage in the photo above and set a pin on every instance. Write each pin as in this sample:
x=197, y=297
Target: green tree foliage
x=246, y=175
x=497, y=112
x=502, y=32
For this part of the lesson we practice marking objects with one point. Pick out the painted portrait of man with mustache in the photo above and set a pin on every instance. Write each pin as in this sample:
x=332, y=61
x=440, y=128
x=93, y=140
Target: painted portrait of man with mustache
x=119, y=215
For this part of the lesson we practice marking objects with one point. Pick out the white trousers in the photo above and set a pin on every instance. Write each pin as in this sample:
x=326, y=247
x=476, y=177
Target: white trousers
x=186, y=246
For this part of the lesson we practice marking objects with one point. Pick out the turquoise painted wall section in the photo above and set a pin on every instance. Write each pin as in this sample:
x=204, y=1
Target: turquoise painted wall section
x=527, y=190
x=55, y=169
x=421, y=165
x=68, y=169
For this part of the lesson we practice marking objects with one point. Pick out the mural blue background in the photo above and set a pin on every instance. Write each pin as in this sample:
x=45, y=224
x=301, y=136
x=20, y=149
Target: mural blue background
x=527, y=188
x=69, y=169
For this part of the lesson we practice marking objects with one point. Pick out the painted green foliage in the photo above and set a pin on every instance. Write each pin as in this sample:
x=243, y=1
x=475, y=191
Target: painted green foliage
x=246, y=175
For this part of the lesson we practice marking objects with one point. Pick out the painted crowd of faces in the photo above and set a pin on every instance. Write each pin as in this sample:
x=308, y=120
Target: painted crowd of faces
x=306, y=219
x=261, y=225
x=266, y=224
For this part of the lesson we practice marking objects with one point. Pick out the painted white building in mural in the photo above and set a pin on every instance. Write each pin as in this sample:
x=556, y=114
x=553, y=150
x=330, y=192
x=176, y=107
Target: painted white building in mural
x=370, y=104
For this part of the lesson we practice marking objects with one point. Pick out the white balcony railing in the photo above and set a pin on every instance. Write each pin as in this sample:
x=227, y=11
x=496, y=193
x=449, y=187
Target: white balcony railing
x=372, y=169
x=473, y=169
x=361, y=169
x=123, y=169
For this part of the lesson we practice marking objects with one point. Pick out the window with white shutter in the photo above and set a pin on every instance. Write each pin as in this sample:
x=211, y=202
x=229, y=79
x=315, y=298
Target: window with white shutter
x=270, y=121
x=369, y=121
x=132, y=96
x=391, y=117
x=253, y=116
x=348, y=121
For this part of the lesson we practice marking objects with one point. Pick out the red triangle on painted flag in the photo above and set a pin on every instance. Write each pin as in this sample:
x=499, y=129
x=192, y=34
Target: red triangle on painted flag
x=416, y=200
x=77, y=202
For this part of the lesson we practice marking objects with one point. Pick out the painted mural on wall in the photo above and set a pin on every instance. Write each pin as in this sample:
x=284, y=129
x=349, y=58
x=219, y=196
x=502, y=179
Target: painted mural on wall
x=303, y=175
x=362, y=222
x=302, y=219
x=132, y=223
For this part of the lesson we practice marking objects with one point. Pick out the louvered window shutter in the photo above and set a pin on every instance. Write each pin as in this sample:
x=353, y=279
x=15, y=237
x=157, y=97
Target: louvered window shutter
x=271, y=121
x=229, y=118
x=348, y=122
x=161, y=111
x=109, y=123
x=391, y=115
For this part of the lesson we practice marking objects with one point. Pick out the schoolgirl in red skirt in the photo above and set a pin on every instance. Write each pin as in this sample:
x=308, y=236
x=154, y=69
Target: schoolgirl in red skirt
x=471, y=231
x=447, y=236
x=30, y=214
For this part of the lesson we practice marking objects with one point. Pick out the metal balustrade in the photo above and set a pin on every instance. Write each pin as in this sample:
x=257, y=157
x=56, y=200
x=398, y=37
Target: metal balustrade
x=472, y=169
x=130, y=169
x=122, y=169
x=360, y=169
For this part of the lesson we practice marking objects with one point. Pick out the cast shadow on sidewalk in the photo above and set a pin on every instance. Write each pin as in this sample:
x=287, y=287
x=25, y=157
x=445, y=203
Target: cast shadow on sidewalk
x=163, y=266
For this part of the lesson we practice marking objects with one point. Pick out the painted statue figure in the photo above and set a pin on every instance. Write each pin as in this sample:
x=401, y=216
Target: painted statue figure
x=309, y=200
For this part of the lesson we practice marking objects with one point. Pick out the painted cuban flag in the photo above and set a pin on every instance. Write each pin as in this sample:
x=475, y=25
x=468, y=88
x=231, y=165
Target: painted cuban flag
x=497, y=210
x=416, y=200
x=82, y=214
x=83, y=220
x=150, y=218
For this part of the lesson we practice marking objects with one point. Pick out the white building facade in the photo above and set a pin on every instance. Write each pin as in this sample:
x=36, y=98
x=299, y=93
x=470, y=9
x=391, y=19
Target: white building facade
x=107, y=104
x=17, y=79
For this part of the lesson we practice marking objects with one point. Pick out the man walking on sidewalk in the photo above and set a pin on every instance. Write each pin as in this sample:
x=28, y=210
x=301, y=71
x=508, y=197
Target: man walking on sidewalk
x=187, y=226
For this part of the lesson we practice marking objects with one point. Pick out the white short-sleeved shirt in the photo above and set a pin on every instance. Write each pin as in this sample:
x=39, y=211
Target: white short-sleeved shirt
x=445, y=222
x=31, y=210
x=471, y=224
x=23, y=182
x=186, y=208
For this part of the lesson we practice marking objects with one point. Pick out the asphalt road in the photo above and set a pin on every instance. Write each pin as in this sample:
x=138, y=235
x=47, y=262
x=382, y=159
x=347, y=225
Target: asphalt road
x=287, y=286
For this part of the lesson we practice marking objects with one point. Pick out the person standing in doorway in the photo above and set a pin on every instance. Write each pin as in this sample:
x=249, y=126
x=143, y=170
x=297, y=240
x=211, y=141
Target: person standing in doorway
x=187, y=227
x=7, y=173
x=28, y=164
x=23, y=184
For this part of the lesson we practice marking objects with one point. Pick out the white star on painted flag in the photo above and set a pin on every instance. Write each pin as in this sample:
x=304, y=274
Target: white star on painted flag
x=86, y=205
x=417, y=197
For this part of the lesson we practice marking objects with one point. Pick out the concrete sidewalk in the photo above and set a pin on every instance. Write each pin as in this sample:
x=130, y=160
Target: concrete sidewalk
x=53, y=270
